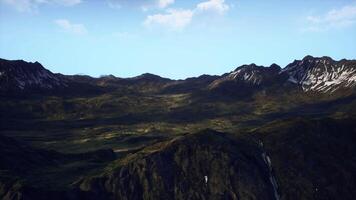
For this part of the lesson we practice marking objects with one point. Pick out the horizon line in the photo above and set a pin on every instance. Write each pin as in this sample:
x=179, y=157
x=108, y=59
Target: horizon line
x=149, y=73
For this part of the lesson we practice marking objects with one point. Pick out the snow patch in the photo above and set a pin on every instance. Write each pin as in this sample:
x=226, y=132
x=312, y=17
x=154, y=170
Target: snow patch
x=322, y=77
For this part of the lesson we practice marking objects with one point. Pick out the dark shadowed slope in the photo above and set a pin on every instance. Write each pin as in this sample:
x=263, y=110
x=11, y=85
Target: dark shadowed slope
x=282, y=134
x=205, y=165
x=312, y=159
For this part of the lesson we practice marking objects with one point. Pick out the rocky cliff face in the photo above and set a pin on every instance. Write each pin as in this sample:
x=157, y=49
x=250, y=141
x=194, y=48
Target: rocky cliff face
x=21, y=76
x=206, y=165
x=312, y=159
x=251, y=74
x=322, y=74
x=294, y=159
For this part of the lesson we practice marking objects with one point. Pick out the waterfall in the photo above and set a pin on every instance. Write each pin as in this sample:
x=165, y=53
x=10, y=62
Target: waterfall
x=268, y=163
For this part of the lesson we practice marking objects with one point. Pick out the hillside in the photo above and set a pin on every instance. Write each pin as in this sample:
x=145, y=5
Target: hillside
x=253, y=133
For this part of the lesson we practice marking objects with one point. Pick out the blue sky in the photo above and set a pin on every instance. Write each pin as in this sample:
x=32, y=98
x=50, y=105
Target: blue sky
x=173, y=38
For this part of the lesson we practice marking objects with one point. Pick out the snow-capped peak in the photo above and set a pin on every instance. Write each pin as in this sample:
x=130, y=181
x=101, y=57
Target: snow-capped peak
x=322, y=74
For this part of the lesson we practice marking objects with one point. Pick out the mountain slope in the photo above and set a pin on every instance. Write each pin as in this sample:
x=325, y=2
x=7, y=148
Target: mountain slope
x=251, y=74
x=312, y=158
x=21, y=76
x=290, y=159
x=322, y=74
x=206, y=165
x=276, y=138
x=246, y=80
x=31, y=173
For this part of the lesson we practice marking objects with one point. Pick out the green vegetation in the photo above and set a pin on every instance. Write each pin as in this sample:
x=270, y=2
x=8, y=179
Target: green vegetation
x=78, y=143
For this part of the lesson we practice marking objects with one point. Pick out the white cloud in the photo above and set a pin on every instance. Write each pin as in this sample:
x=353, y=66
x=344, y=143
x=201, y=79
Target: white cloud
x=218, y=6
x=336, y=18
x=145, y=5
x=32, y=5
x=67, y=26
x=173, y=19
x=21, y=5
x=179, y=19
x=164, y=3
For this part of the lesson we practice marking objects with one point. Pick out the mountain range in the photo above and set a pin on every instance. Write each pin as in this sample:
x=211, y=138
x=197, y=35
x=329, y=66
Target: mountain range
x=309, y=74
x=253, y=133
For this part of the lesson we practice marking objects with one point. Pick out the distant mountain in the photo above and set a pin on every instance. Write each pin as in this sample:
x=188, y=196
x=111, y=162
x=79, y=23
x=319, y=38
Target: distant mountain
x=246, y=79
x=322, y=74
x=190, y=85
x=310, y=74
x=148, y=77
x=21, y=76
x=111, y=80
x=251, y=74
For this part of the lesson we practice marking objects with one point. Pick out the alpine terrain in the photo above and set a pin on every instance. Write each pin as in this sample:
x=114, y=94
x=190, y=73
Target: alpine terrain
x=255, y=133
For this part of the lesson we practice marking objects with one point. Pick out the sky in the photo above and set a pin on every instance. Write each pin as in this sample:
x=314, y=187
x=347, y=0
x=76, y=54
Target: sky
x=173, y=38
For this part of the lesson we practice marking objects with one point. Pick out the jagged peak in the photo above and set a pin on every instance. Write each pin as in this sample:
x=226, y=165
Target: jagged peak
x=21, y=62
x=21, y=75
x=275, y=66
x=310, y=58
x=321, y=74
x=253, y=66
x=251, y=74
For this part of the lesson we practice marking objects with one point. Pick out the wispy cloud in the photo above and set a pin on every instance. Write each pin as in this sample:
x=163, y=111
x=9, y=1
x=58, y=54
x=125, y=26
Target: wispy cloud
x=33, y=5
x=336, y=18
x=173, y=19
x=164, y=3
x=21, y=5
x=178, y=19
x=218, y=6
x=145, y=5
x=69, y=27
